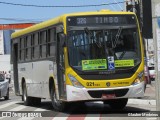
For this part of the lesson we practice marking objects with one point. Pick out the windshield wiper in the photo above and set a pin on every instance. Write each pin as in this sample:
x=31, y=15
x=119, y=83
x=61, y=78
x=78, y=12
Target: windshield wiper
x=88, y=32
x=117, y=37
x=121, y=56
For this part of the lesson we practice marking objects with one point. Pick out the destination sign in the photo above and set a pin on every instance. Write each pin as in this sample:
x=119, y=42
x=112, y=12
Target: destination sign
x=101, y=20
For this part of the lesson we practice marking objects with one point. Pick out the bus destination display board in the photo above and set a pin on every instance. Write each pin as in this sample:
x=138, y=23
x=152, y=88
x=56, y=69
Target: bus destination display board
x=101, y=20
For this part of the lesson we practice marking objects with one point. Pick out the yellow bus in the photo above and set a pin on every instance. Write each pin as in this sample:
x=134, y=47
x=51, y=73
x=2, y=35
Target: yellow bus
x=78, y=57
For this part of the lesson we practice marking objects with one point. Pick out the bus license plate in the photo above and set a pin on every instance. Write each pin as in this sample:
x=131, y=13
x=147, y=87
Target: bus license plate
x=108, y=96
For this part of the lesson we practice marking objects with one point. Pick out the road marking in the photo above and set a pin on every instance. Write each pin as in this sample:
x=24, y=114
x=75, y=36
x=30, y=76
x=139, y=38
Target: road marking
x=61, y=116
x=76, y=117
x=151, y=118
x=92, y=117
x=20, y=107
x=40, y=109
x=8, y=104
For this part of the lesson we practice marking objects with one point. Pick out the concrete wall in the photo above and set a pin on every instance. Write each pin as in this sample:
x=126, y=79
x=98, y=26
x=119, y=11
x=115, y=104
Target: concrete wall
x=5, y=63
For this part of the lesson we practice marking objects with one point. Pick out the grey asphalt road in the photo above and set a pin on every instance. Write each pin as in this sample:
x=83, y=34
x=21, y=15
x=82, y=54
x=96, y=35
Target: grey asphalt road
x=90, y=110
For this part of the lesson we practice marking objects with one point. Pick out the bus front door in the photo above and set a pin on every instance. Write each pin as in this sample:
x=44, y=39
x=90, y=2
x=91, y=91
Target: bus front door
x=61, y=66
x=15, y=67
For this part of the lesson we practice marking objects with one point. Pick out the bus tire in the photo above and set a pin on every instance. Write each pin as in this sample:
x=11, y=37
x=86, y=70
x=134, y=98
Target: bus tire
x=7, y=95
x=57, y=105
x=118, y=104
x=27, y=100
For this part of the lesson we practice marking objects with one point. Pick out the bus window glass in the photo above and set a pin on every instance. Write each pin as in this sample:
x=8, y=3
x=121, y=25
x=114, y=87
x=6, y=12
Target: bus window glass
x=28, y=41
x=52, y=35
x=52, y=49
x=43, y=50
x=22, y=55
x=100, y=44
x=29, y=54
x=22, y=43
x=36, y=52
x=51, y=42
x=26, y=54
x=43, y=37
x=35, y=39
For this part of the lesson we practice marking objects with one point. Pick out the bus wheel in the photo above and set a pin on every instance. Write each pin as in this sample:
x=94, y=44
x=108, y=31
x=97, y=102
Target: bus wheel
x=27, y=100
x=118, y=103
x=57, y=105
x=7, y=95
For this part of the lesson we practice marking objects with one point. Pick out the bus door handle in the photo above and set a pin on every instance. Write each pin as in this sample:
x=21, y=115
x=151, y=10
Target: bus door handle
x=32, y=65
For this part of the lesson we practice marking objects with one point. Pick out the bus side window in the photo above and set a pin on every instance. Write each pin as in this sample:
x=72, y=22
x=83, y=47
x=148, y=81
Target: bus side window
x=43, y=40
x=21, y=50
x=51, y=42
x=35, y=48
x=28, y=48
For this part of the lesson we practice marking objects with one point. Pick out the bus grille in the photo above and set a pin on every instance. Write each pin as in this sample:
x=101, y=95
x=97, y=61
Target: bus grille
x=117, y=92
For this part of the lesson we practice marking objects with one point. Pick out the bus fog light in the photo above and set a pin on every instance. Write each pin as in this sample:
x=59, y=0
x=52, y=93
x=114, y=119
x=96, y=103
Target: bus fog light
x=75, y=81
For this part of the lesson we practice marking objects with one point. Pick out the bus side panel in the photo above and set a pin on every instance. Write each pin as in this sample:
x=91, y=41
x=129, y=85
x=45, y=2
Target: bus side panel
x=36, y=76
x=25, y=73
x=42, y=70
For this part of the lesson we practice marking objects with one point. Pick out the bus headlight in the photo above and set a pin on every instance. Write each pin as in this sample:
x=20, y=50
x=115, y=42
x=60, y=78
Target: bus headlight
x=75, y=81
x=139, y=78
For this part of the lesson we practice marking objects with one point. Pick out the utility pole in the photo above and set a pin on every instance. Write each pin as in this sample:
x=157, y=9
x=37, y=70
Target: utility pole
x=156, y=38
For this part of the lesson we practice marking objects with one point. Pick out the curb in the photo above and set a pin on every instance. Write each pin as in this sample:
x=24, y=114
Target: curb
x=142, y=102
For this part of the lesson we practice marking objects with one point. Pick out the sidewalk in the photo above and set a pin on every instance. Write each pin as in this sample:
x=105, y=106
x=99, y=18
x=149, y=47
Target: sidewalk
x=150, y=92
x=149, y=96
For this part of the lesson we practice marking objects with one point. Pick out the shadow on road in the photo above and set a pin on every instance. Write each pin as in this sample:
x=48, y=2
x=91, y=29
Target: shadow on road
x=89, y=108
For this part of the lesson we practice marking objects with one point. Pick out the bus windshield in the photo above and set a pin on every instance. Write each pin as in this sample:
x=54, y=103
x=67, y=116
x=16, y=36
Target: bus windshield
x=98, y=46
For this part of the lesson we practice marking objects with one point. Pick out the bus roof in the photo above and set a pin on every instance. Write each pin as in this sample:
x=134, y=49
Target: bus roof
x=61, y=19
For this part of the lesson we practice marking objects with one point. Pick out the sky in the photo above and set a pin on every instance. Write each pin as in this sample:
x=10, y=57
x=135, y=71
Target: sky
x=24, y=14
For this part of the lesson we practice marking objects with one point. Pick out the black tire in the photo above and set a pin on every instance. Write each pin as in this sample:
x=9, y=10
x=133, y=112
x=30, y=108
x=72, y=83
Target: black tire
x=118, y=104
x=7, y=95
x=27, y=100
x=57, y=105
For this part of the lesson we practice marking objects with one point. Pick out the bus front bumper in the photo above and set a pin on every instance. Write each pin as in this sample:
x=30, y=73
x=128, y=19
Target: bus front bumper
x=87, y=94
